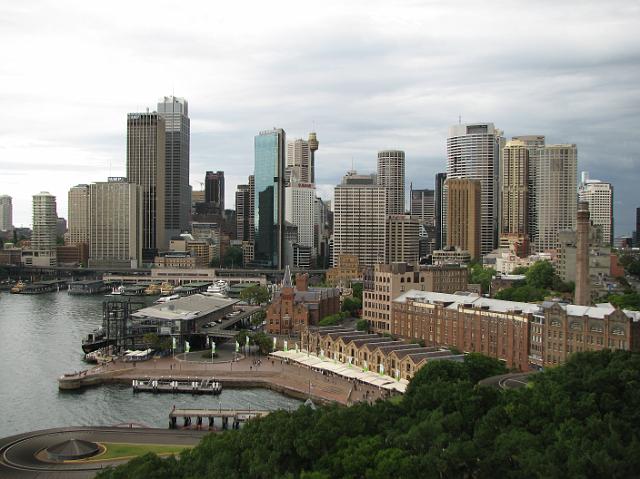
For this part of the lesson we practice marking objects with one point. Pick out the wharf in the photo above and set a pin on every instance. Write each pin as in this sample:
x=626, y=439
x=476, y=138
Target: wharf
x=180, y=385
x=225, y=416
x=44, y=287
x=88, y=286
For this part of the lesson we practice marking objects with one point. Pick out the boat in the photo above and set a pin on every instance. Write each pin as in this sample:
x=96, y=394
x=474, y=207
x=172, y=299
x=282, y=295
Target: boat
x=96, y=340
x=116, y=291
x=154, y=289
x=166, y=299
x=19, y=286
x=219, y=287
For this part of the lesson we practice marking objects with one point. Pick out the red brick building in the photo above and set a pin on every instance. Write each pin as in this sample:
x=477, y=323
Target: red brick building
x=294, y=309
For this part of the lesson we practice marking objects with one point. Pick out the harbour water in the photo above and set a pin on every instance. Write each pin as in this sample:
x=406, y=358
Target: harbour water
x=40, y=337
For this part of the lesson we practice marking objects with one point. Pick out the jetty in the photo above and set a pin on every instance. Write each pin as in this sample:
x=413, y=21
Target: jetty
x=41, y=287
x=227, y=418
x=177, y=385
x=88, y=286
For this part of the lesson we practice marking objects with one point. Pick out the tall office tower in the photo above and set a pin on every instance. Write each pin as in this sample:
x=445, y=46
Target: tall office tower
x=177, y=199
x=533, y=143
x=299, y=211
x=555, y=194
x=401, y=242
x=423, y=205
x=473, y=152
x=440, y=211
x=637, y=226
x=359, y=218
x=6, y=213
x=252, y=207
x=115, y=217
x=599, y=196
x=391, y=176
x=78, y=212
x=43, y=238
x=464, y=206
x=146, y=166
x=269, y=228
x=313, y=147
x=514, y=197
x=214, y=189
x=323, y=226
x=242, y=213
x=583, y=283
x=298, y=161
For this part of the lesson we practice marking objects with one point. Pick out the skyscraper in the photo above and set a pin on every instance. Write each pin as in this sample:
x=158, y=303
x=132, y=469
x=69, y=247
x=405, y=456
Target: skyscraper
x=146, y=167
x=464, y=215
x=555, y=195
x=214, y=190
x=514, y=195
x=43, y=238
x=177, y=194
x=423, y=205
x=242, y=213
x=599, y=196
x=299, y=211
x=359, y=218
x=401, y=242
x=440, y=211
x=78, y=212
x=6, y=213
x=269, y=150
x=115, y=220
x=473, y=152
x=391, y=177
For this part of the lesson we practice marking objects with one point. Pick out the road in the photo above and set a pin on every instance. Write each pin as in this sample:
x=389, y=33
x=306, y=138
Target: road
x=508, y=381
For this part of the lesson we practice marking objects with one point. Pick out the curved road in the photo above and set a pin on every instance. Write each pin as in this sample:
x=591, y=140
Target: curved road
x=508, y=381
x=17, y=453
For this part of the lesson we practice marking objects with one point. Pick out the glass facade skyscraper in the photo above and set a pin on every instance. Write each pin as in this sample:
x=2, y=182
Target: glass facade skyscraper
x=269, y=168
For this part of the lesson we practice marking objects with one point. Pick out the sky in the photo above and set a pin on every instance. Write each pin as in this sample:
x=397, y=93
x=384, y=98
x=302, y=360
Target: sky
x=365, y=75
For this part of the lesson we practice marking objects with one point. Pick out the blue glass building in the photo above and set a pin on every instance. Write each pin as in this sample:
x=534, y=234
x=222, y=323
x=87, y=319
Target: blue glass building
x=269, y=154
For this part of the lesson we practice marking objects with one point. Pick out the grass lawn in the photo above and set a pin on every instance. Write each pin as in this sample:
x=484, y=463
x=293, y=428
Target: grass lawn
x=116, y=450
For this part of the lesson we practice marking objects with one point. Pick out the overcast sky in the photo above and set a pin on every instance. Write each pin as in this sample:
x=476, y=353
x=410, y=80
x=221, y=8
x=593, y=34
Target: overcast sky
x=366, y=75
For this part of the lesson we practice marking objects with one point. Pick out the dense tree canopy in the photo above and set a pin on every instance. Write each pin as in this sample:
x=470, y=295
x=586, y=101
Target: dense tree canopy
x=255, y=294
x=481, y=276
x=577, y=420
x=540, y=281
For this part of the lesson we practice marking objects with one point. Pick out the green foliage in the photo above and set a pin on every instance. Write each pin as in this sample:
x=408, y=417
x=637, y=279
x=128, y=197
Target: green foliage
x=232, y=257
x=578, y=420
x=525, y=294
x=154, y=341
x=258, y=317
x=362, y=325
x=540, y=275
x=332, y=319
x=480, y=275
x=352, y=306
x=357, y=290
x=259, y=339
x=520, y=270
x=255, y=294
x=626, y=300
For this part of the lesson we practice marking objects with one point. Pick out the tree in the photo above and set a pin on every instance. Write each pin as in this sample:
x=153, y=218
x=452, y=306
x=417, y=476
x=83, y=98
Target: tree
x=357, y=290
x=332, y=319
x=263, y=342
x=520, y=270
x=232, y=257
x=258, y=317
x=352, y=306
x=480, y=275
x=523, y=294
x=540, y=275
x=362, y=325
x=255, y=294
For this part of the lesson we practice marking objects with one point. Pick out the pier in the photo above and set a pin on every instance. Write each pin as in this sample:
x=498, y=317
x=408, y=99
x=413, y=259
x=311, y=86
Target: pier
x=178, y=385
x=227, y=418
x=40, y=287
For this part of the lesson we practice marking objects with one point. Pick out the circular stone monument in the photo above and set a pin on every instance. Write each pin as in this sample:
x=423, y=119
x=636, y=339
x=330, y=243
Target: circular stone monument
x=71, y=450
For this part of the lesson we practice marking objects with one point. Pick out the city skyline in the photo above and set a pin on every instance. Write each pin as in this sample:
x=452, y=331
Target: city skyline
x=372, y=89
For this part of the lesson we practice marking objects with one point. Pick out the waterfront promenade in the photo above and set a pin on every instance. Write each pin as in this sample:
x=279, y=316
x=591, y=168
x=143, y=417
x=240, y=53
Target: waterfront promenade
x=290, y=379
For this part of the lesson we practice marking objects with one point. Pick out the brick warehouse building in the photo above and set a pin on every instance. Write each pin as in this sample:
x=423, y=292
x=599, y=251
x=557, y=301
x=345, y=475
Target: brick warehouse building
x=295, y=309
x=524, y=335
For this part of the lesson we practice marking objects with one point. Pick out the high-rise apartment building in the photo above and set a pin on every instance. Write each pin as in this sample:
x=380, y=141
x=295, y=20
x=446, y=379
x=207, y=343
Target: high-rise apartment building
x=554, y=190
x=440, y=211
x=146, y=166
x=473, y=152
x=514, y=195
x=464, y=206
x=242, y=213
x=177, y=194
x=300, y=159
x=359, y=218
x=252, y=208
x=6, y=213
x=269, y=172
x=391, y=177
x=214, y=190
x=78, y=212
x=599, y=196
x=423, y=205
x=299, y=211
x=115, y=217
x=401, y=241
x=43, y=238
